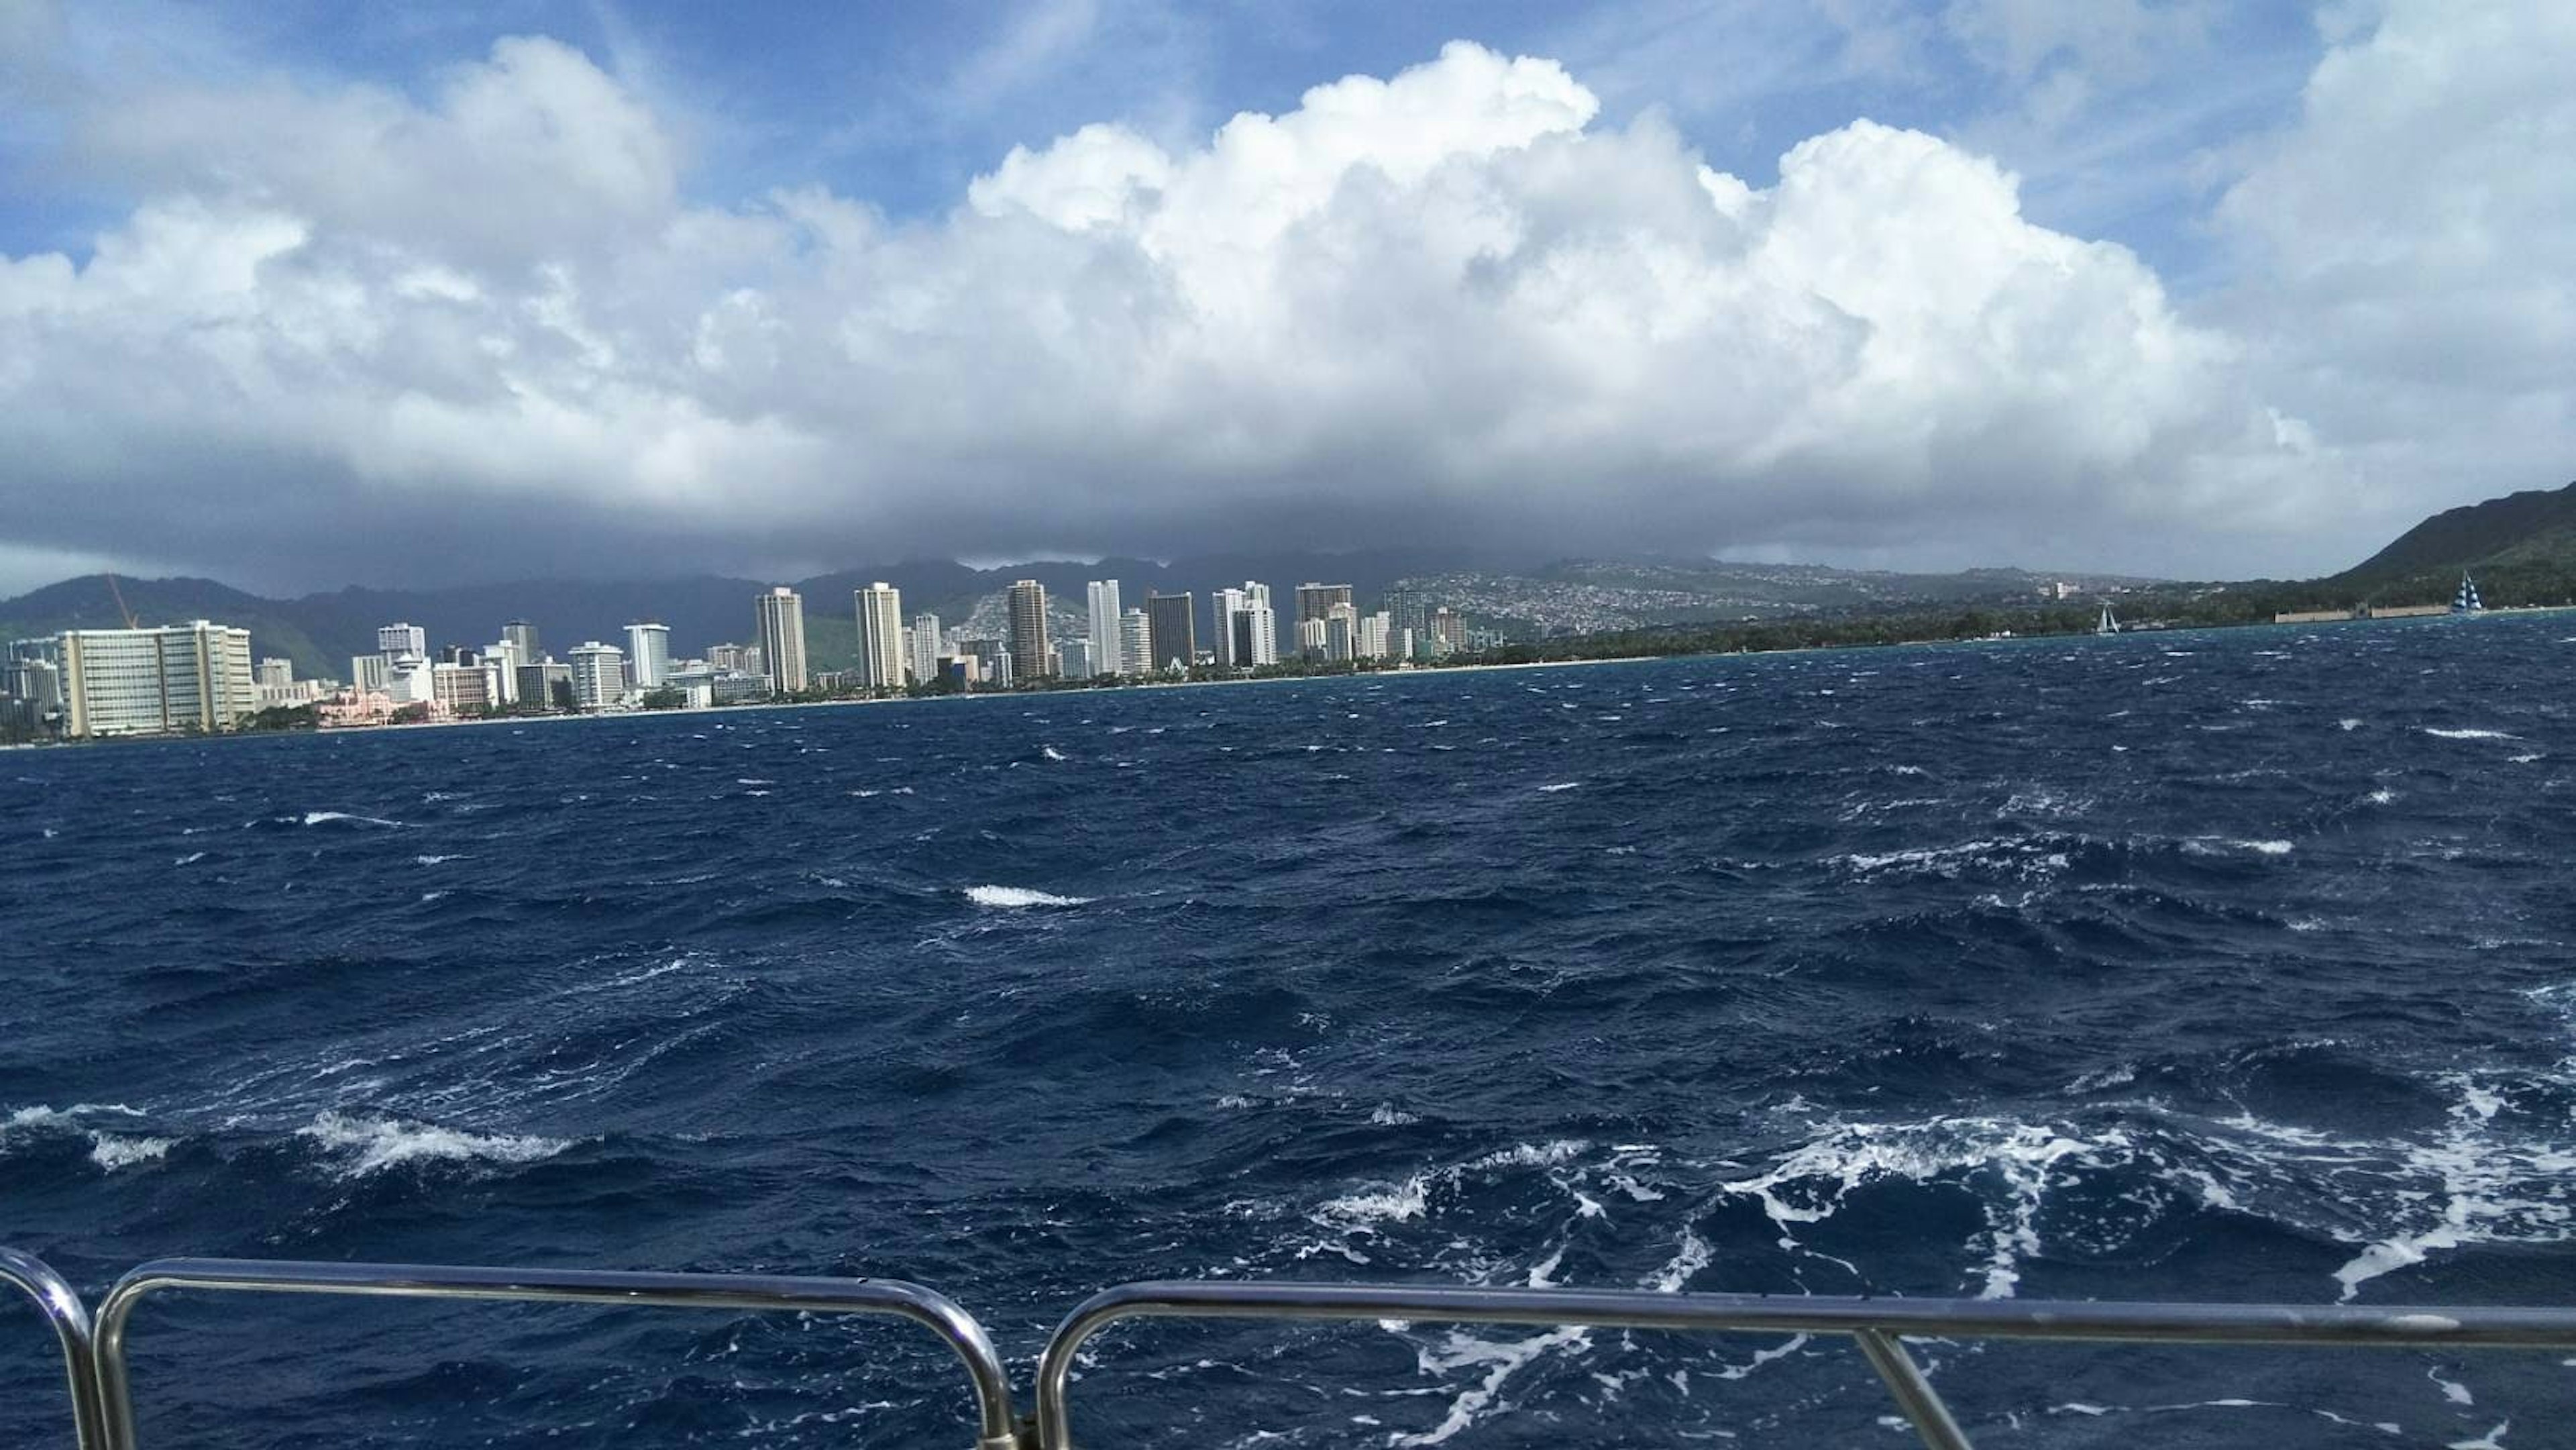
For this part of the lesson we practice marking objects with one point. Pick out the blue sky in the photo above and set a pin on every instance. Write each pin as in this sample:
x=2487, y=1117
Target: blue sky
x=2152, y=285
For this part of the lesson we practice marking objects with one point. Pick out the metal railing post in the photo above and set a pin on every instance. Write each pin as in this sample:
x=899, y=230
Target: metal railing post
x=1914, y=1394
x=996, y=1428
x=63, y=1309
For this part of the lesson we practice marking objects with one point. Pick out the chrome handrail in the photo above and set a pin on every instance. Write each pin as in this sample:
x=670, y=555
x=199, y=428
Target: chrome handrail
x=1875, y=1324
x=63, y=1309
x=765, y=1292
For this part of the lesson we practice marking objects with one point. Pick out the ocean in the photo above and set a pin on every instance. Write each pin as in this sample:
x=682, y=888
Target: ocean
x=2229, y=965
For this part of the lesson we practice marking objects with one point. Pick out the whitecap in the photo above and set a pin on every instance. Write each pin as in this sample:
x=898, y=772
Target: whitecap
x=1562, y=785
x=111, y=1153
x=321, y=818
x=2469, y=734
x=1050, y=752
x=1012, y=898
x=1387, y=1115
x=191, y=859
x=436, y=860
x=373, y=1144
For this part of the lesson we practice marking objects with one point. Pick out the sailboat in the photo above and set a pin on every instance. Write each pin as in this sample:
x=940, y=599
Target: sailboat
x=2466, y=601
x=2109, y=625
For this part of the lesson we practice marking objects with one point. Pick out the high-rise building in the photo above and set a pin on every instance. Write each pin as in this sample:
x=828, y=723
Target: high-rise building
x=1341, y=633
x=1173, y=620
x=727, y=658
x=598, y=675
x=925, y=647
x=369, y=672
x=992, y=661
x=504, y=658
x=1076, y=660
x=545, y=685
x=1310, y=638
x=1377, y=636
x=1409, y=609
x=465, y=689
x=149, y=681
x=1448, y=631
x=396, y=640
x=1104, y=628
x=273, y=673
x=782, y=638
x=1226, y=604
x=1028, y=621
x=648, y=655
x=523, y=638
x=1316, y=600
x=1247, y=629
x=881, y=661
x=1135, y=643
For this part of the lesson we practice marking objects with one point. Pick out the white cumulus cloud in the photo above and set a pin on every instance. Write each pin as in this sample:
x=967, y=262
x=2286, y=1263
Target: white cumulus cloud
x=485, y=330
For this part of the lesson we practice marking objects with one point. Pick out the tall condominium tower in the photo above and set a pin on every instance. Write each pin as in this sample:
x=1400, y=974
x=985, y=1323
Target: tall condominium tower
x=1135, y=643
x=523, y=638
x=782, y=638
x=1314, y=601
x=648, y=655
x=881, y=662
x=1173, y=619
x=1029, y=653
x=1105, y=657
x=925, y=647
x=402, y=639
x=1221, y=652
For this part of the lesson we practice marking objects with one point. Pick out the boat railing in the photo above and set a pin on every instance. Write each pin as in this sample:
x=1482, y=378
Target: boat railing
x=69, y=1317
x=773, y=1293
x=102, y=1399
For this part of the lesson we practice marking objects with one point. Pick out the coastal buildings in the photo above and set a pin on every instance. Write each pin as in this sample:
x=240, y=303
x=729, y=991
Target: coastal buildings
x=1173, y=622
x=522, y=638
x=925, y=647
x=1341, y=633
x=598, y=675
x=1030, y=656
x=176, y=677
x=1076, y=659
x=880, y=613
x=396, y=640
x=465, y=689
x=781, y=621
x=648, y=655
x=1106, y=646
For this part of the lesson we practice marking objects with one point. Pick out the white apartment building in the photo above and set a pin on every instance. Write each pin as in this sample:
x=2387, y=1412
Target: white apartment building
x=153, y=681
x=648, y=655
x=1107, y=648
x=881, y=653
x=598, y=675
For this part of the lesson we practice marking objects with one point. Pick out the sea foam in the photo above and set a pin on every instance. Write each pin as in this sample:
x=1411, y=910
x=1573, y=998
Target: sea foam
x=1013, y=898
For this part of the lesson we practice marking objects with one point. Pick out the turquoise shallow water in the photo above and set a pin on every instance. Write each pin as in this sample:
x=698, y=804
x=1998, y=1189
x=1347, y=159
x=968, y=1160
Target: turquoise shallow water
x=2228, y=965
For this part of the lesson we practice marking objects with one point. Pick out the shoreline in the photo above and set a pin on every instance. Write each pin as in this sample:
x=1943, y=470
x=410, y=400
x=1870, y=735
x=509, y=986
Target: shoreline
x=1411, y=673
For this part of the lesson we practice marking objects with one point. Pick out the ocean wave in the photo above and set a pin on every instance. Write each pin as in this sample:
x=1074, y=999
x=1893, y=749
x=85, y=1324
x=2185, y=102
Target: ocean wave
x=2468, y=734
x=1560, y=786
x=1812, y=1182
x=344, y=818
x=111, y=1152
x=1014, y=898
x=371, y=1145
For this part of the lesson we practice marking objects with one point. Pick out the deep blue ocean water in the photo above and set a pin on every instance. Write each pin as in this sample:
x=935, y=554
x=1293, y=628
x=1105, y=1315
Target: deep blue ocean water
x=2231, y=965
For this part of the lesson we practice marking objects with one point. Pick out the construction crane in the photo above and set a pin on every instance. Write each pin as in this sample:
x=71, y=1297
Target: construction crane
x=119, y=596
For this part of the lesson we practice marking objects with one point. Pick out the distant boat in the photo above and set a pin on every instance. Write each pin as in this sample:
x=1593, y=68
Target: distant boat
x=2466, y=601
x=2109, y=624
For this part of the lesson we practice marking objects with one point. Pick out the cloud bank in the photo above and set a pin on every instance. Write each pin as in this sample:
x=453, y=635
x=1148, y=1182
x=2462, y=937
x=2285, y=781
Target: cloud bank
x=487, y=330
